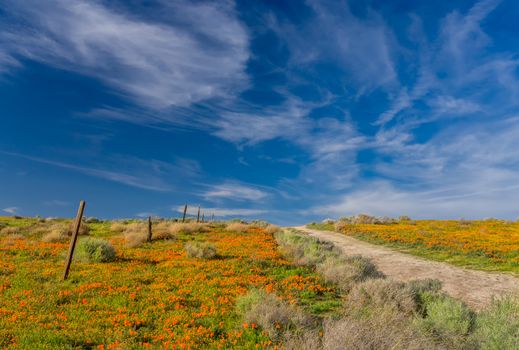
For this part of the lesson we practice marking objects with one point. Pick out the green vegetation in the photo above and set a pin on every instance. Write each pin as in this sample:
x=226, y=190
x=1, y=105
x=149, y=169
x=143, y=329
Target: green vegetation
x=95, y=250
x=265, y=289
x=378, y=313
x=486, y=245
x=152, y=295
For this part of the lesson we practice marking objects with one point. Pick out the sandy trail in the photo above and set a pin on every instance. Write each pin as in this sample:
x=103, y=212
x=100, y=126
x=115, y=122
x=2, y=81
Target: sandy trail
x=476, y=288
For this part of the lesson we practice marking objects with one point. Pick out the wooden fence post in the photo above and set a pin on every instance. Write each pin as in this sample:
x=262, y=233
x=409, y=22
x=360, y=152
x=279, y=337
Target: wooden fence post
x=212, y=217
x=185, y=210
x=198, y=216
x=202, y=217
x=73, y=239
x=149, y=229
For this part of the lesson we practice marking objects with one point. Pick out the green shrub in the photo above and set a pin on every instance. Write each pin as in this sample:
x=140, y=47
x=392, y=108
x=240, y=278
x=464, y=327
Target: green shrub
x=95, y=250
x=497, y=328
x=200, y=250
x=303, y=249
x=447, y=319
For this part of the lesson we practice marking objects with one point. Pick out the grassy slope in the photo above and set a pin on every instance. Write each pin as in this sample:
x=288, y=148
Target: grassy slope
x=150, y=296
x=483, y=245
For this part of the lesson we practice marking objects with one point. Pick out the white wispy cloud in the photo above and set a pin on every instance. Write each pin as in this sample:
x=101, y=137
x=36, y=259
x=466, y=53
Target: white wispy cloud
x=221, y=212
x=235, y=191
x=198, y=52
x=362, y=48
x=11, y=210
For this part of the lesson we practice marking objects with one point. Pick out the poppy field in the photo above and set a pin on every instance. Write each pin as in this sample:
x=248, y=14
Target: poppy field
x=486, y=244
x=150, y=296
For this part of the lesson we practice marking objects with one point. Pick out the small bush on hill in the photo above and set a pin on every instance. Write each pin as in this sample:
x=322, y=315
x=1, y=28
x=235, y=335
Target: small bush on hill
x=385, y=331
x=200, y=250
x=271, y=229
x=60, y=232
x=347, y=271
x=341, y=225
x=238, y=227
x=378, y=294
x=188, y=227
x=95, y=250
x=273, y=315
x=10, y=230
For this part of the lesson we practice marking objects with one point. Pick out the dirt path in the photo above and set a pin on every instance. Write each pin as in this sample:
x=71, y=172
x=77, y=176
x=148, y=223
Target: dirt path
x=476, y=288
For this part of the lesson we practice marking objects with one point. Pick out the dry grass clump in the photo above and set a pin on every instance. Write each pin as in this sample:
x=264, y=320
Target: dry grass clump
x=238, y=227
x=118, y=226
x=310, y=339
x=273, y=315
x=55, y=235
x=164, y=230
x=202, y=250
x=12, y=239
x=340, y=225
x=188, y=227
x=378, y=294
x=10, y=230
x=259, y=223
x=136, y=233
x=346, y=271
x=61, y=232
x=364, y=219
x=271, y=229
x=386, y=331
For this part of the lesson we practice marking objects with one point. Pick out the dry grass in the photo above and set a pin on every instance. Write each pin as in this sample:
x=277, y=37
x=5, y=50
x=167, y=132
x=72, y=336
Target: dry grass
x=136, y=233
x=201, y=250
x=340, y=225
x=61, y=232
x=346, y=271
x=9, y=230
x=272, y=314
x=118, y=226
x=188, y=227
x=378, y=294
x=307, y=340
x=238, y=227
x=55, y=235
x=271, y=229
x=12, y=239
x=386, y=331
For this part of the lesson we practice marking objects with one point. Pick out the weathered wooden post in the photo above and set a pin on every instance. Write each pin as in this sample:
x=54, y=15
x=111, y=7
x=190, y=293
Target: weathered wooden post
x=185, y=210
x=198, y=216
x=73, y=239
x=149, y=229
x=212, y=217
x=202, y=217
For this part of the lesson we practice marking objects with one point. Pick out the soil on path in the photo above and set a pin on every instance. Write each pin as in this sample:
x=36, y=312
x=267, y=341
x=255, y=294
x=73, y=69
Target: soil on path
x=474, y=287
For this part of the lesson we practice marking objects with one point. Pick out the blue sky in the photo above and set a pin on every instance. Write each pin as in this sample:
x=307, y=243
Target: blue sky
x=288, y=111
